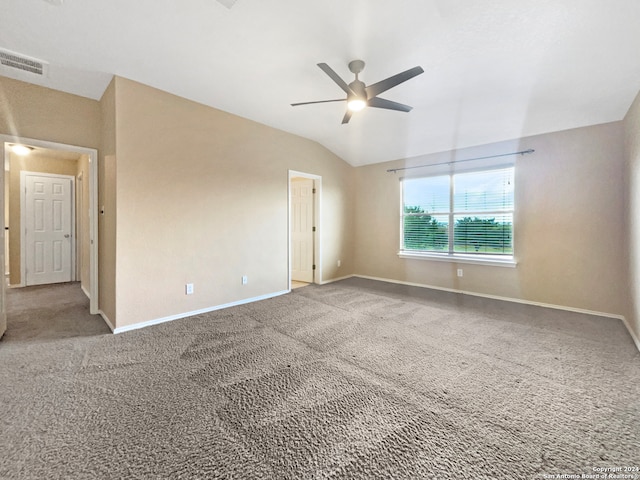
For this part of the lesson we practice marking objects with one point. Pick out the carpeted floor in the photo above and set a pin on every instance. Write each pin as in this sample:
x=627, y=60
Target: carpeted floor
x=353, y=380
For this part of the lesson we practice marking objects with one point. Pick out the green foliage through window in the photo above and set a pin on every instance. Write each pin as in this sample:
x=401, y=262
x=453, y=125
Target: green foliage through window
x=483, y=235
x=424, y=232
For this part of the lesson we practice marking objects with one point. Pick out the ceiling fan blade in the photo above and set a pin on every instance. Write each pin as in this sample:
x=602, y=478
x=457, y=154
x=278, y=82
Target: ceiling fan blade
x=319, y=101
x=347, y=117
x=387, y=83
x=388, y=104
x=336, y=78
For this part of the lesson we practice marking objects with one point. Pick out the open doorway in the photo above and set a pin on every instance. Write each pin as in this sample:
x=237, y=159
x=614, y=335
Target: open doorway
x=57, y=166
x=304, y=229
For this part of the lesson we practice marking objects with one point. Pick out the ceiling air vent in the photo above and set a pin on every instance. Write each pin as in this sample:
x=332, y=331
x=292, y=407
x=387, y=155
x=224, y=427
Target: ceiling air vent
x=20, y=62
x=227, y=3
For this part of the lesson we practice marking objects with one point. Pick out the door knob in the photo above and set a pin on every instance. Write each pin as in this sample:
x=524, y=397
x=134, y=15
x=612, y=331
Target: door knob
x=67, y=236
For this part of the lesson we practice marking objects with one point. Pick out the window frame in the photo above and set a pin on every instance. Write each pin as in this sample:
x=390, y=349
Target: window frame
x=504, y=260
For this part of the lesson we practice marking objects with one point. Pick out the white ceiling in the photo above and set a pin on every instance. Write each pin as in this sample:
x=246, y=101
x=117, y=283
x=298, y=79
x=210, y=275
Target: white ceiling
x=494, y=69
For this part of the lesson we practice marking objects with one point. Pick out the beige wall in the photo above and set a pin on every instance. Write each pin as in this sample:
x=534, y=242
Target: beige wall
x=36, y=112
x=31, y=163
x=196, y=195
x=202, y=199
x=205, y=214
x=567, y=229
x=107, y=205
x=632, y=216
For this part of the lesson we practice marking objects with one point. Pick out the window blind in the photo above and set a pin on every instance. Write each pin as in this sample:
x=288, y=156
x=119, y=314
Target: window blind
x=466, y=213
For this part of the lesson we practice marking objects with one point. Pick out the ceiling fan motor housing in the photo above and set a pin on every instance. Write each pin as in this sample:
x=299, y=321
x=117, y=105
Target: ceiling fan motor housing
x=359, y=88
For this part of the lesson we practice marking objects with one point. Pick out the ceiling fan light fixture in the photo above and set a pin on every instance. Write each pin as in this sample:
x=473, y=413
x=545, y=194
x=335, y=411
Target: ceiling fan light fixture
x=21, y=150
x=356, y=104
x=360, y=95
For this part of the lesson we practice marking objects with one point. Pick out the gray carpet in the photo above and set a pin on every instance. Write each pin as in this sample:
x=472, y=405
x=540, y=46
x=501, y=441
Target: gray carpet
x=354, y=380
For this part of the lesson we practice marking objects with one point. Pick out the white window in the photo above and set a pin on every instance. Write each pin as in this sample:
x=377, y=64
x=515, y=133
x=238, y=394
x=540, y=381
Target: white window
x=459, y=215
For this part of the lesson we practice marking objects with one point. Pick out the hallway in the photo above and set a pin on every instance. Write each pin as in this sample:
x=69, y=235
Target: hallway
x=50, y=312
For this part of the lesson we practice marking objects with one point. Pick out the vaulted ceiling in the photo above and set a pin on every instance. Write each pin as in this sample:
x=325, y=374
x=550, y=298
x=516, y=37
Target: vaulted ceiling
x=494, y=69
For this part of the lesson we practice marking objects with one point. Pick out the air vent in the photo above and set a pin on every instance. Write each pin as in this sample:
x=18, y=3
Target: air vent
x=20, y=62
x=227, y=3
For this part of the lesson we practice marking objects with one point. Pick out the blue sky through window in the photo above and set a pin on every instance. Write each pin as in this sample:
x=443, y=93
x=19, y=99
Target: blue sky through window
x=431, y=194
x=485, y=191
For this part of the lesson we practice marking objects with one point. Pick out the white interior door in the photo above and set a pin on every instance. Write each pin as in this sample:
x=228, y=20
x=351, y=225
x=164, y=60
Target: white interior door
x=48, y=240
x=302, y=224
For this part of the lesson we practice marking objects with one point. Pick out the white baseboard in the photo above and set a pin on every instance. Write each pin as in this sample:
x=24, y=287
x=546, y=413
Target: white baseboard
x=635, y=338
x=514, y=300
x=170, y=318
x=325, y=282
x=158, y=321
x=107, y=321
x=497, y=297
x=85, y=292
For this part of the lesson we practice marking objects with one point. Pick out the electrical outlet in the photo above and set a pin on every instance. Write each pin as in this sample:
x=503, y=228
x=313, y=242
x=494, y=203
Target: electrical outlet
x=339, y=262
x=245, y=280
x=188, y=289
x=460, y=272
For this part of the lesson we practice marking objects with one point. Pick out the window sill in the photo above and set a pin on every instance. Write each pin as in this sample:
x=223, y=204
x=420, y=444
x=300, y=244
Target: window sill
x=489, y=260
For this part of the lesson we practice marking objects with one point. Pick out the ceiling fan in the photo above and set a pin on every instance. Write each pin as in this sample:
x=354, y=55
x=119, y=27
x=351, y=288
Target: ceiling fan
x=360, y=96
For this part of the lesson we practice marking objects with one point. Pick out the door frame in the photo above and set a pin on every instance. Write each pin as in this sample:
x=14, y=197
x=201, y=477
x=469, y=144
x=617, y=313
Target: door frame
x=93, y=205
x=23, y=221
x=79, y=224
x=317, y=218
